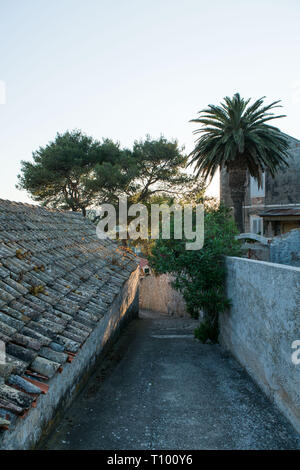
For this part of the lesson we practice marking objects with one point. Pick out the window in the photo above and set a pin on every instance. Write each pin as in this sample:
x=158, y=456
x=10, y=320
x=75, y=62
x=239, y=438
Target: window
x=256, y=225
x=255, y=191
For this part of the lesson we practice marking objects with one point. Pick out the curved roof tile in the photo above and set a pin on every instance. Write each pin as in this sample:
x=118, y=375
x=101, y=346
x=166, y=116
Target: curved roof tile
x=57, y=281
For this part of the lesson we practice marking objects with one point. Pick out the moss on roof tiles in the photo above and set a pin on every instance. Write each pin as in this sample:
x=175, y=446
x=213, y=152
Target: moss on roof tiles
x=57, y=281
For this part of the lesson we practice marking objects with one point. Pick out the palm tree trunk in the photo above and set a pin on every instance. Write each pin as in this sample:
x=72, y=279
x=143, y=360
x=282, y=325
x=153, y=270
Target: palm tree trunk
x=238, y=213
x=237, y=181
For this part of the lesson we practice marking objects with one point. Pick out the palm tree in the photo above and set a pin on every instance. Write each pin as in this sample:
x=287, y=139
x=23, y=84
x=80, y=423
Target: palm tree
x=235, y=136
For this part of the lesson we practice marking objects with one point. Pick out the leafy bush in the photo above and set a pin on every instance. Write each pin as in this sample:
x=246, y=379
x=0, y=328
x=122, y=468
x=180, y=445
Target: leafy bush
x=207, y=331
x=200, y=274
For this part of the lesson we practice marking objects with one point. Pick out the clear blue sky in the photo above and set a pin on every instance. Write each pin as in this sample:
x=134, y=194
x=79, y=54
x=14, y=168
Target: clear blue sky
x=126, y=68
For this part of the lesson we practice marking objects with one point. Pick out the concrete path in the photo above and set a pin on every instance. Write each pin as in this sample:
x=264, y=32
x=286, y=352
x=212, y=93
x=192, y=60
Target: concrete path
x=159, y=388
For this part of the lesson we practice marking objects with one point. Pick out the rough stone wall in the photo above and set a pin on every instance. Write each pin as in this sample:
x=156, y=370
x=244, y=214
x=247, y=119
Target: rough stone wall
x=263, y=322
x=157, y=295
x=286, y=248
x=285, y=187
x=256, y=251
x=63, y=387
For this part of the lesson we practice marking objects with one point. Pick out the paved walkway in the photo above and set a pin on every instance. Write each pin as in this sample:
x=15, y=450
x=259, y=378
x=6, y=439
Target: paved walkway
x=159, y=388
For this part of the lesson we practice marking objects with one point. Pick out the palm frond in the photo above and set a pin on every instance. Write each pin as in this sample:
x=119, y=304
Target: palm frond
x=237, y=131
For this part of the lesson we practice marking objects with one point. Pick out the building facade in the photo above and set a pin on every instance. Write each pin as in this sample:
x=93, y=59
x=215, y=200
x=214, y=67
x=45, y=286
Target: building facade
x=274, y=208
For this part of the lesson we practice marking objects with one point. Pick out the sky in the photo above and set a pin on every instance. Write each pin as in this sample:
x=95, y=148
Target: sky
x=126, y=68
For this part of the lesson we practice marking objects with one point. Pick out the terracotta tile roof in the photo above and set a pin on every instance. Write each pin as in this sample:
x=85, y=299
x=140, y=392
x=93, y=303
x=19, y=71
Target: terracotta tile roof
x=57, y=280
x=143, y=262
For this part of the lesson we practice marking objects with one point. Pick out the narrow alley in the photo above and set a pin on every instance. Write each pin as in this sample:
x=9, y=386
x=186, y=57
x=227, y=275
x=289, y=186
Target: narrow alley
x=159, y=388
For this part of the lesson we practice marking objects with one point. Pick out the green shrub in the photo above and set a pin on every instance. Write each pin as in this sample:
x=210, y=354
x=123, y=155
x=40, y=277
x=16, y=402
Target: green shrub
x=207, y=331
x=200, y=274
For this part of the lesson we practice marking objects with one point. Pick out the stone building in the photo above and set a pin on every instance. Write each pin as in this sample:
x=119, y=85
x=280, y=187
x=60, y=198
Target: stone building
x=63, y=296
x=274, y=208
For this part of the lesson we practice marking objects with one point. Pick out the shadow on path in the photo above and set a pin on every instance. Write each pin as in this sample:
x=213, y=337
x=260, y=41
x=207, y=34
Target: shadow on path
x=159, y=388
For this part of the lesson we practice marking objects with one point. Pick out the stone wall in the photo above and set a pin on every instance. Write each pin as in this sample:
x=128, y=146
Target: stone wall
x=285, y=249
x=283, y=190
x=157, y=295
x=262, y=324
x=63, y=387
x=285, y=187
x=256, y=251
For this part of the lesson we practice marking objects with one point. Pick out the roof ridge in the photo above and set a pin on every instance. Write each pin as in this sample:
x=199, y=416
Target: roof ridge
x=36, y=207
